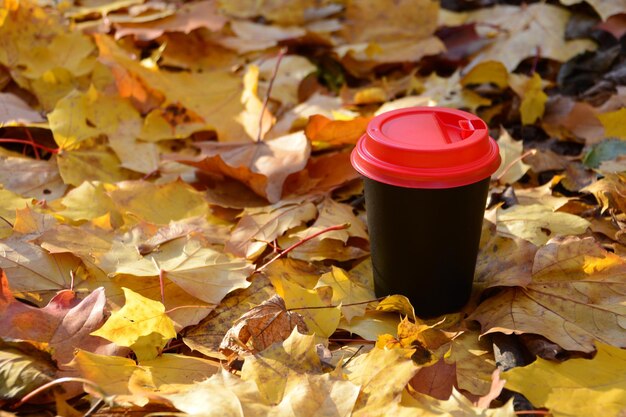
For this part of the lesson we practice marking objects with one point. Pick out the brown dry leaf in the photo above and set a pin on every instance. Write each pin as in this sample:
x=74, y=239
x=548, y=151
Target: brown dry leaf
x=503, y=260
x=335, y=132
x=207, y=336
x=436, y=380
x=575, y=297
x=31, y=178
x=529, y=29
x=259, y=227
x=610, y=192
x=268, y=323
x=188, y=17
x=263, y=166
x=14, y=110
x=196, y=51
x=565, y=117
x=369, y=20
x=65, y=323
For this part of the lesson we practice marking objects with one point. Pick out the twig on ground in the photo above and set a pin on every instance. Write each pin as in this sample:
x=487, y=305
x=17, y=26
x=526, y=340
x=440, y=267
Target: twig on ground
x=302, y=242
x=281, y=54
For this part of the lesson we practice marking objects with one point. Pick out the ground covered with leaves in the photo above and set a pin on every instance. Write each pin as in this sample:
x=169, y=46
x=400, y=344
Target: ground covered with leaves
x=181, y=230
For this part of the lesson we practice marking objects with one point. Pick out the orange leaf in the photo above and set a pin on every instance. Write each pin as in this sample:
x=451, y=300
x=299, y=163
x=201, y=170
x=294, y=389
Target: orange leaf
x=335, y=132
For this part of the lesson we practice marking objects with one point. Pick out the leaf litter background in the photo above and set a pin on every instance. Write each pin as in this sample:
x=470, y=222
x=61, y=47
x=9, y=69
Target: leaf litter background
x=175, y=239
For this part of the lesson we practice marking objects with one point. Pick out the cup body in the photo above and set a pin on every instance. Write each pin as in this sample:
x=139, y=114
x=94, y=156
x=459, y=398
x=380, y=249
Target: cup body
x=424, y=242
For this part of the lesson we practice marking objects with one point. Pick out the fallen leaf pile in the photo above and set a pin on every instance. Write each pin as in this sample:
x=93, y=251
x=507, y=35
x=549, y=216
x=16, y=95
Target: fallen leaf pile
x=181, y=230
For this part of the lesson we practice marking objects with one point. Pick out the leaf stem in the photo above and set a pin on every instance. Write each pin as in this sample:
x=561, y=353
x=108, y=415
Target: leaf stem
x=341, y=305
x=516, y=160
x=63, y=380
x=171, y=310
x=302, y=242
x=281, y=54
x=33, y=144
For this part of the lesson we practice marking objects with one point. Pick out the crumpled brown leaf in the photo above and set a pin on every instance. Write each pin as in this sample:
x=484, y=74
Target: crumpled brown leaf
x=575, y=297
x=268, y=323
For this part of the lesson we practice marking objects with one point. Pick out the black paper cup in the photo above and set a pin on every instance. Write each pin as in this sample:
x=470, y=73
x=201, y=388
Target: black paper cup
x=427, y=173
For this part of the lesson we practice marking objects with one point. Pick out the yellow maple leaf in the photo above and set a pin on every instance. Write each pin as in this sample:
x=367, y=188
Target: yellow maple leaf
x=347, y=291
x=372, y=372
x=141, y=325
x=9, y=202
x=320, y=315
x=613, y=123
x=533, y=100
x=487, y=72
x=158, y=203
x=590, y=387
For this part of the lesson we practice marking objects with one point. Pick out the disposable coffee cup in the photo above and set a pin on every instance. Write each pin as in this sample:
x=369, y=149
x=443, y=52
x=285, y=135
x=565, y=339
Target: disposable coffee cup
x=426, y=172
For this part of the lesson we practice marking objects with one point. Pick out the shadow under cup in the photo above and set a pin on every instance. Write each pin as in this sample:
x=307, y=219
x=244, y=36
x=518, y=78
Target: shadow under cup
x=426, y=173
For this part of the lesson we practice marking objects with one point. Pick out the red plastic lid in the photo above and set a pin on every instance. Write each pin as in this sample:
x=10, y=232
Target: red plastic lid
x=426, y=147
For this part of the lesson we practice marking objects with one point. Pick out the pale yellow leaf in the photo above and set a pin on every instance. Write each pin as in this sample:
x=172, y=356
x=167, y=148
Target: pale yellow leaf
x=531, y=29
x=538, y=224
x=512, y=168
x=271, y=368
